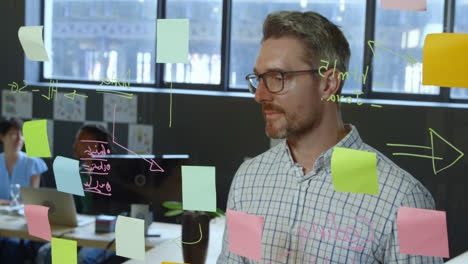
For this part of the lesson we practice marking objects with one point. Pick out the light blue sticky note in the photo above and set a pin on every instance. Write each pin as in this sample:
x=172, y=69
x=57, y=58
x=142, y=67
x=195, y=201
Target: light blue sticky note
x=172, y=41
x=199, y=188
x=130, y=237
x=67, y=175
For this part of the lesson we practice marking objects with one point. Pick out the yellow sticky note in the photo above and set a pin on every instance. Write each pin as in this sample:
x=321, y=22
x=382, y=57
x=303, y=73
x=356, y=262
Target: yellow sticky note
x=130, y=237
x=64, y=251
x=444, y=60
x=35, y=138
x=33, y=45
x=172, y=263
x=354, y=171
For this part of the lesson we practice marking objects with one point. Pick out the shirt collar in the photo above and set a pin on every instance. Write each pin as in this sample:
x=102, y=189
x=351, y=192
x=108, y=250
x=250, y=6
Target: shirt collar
x=352, y=140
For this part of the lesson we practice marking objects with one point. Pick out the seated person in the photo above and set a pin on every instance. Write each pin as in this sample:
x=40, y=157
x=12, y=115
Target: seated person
x=15, y=168
x=84, y=205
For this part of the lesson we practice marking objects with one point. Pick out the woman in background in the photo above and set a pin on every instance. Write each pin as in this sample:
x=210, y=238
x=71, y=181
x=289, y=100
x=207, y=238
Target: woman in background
x=15, y=168
x=84, y=204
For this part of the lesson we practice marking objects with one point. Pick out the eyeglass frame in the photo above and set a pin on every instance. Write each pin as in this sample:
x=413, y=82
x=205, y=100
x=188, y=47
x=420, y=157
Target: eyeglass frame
x=260, y=76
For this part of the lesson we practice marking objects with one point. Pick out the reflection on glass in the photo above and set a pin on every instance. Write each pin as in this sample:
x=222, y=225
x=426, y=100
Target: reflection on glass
x=403, y=32
x=246, y=31
x=461, y=26
x=14, y=193
x=204, y=66
x=95, y=40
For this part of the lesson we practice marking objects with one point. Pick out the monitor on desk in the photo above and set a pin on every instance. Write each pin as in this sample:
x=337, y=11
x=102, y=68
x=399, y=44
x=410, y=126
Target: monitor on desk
x=131, y=181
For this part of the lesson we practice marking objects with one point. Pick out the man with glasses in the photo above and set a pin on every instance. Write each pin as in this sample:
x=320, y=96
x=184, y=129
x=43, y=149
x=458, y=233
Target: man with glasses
x=290, y=185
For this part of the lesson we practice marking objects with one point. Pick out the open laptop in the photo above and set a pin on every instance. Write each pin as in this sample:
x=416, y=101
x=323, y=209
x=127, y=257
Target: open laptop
x=61, y=206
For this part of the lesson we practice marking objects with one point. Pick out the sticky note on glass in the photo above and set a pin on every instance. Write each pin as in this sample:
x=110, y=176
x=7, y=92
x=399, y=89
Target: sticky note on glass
x=172, y=263
x=67, y=175
x=444, y=60
x=130, y=237
x=64, y=251
x=405, y=5
x=172, y=41
x=199, y=188
x=245, y=234
x=35, y=138
x=422, y=232
x=354, y=171
x=37, y=218
x=32, y=43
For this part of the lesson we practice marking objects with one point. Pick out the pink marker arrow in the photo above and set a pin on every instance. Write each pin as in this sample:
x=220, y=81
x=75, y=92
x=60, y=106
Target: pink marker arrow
x=152, y=162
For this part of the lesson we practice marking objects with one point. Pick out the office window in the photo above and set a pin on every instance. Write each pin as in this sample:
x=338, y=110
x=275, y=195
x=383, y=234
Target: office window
x=402, y=32
x=461, y=26
x=204, y=66
x=91, y=40
x=247, y=22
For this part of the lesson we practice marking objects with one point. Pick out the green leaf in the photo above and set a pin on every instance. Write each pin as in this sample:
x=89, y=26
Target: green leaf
x=219, y=211
x=213, y=214
x=173, y=212
x=172, y=205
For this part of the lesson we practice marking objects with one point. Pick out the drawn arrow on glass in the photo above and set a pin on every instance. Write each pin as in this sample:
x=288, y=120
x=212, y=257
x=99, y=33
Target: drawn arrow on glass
x=152, y=162
x=412, y=60
x=177, y=239
x=431, y=132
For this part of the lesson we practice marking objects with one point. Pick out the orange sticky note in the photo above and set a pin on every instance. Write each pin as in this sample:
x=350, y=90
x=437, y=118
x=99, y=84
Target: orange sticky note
x=422, y=232
x=444, y=60
x=37, y=217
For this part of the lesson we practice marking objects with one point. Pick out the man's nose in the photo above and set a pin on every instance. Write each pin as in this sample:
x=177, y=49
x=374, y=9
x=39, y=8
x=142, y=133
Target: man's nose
x=262, y=94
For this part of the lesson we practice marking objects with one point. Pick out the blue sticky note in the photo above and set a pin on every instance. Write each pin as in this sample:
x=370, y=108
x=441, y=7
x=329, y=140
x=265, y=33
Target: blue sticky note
x=67, y=175
x=172, y=41
x=199, y=188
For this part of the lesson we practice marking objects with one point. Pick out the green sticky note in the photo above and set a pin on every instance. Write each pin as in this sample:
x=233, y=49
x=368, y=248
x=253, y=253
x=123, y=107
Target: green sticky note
x=172, y=41
x=35, y=138
x=354, y=171
x=130, y=237
x=64, y=251
x=199, y=188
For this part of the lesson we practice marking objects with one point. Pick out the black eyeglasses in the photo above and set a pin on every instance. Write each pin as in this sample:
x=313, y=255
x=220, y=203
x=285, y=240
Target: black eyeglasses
x=273, y=80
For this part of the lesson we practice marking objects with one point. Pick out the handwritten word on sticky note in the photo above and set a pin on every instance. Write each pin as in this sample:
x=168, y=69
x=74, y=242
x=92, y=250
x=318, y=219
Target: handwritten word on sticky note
x=172, y=41
x=67, y=175
x=32, y=43
x=199, y=188
x=64, y=251
x=405, y=5
x=422, y=232
x=245, y=234
x=354, y=171
x=130, y=237
x=35, y=138
x=444, y=60
x=37, y=218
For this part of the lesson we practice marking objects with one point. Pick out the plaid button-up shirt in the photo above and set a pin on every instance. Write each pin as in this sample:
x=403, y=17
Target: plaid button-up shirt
x=307, y=221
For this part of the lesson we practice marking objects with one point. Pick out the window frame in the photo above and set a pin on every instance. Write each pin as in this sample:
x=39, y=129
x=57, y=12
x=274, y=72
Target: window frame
x=367, y=89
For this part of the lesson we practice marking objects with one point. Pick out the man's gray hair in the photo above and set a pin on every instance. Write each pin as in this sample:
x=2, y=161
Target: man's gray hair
x=322, y=39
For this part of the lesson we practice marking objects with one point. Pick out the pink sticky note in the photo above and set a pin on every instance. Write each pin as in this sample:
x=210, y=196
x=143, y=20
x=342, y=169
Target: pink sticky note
x=405, y=5
x=37, y=217
x=245, y=234
x=422, y=232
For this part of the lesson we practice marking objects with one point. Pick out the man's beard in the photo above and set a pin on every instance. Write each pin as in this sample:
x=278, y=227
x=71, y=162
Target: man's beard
x=292, y=125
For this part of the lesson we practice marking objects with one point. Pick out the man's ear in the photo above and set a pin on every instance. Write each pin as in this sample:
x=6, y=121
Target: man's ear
x=331, y=83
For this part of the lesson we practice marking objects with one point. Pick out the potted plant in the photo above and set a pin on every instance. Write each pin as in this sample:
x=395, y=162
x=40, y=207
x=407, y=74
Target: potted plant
x=195, y=230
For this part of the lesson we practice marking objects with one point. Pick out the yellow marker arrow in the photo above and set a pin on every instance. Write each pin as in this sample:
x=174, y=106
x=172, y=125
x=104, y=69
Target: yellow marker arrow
x=431, y=132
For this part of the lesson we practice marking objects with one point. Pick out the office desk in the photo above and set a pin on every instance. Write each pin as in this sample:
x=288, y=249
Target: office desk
x=168, y=251
x=15, y=226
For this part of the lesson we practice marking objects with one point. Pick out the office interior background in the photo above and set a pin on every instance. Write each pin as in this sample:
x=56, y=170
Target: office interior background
x=214, y=118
